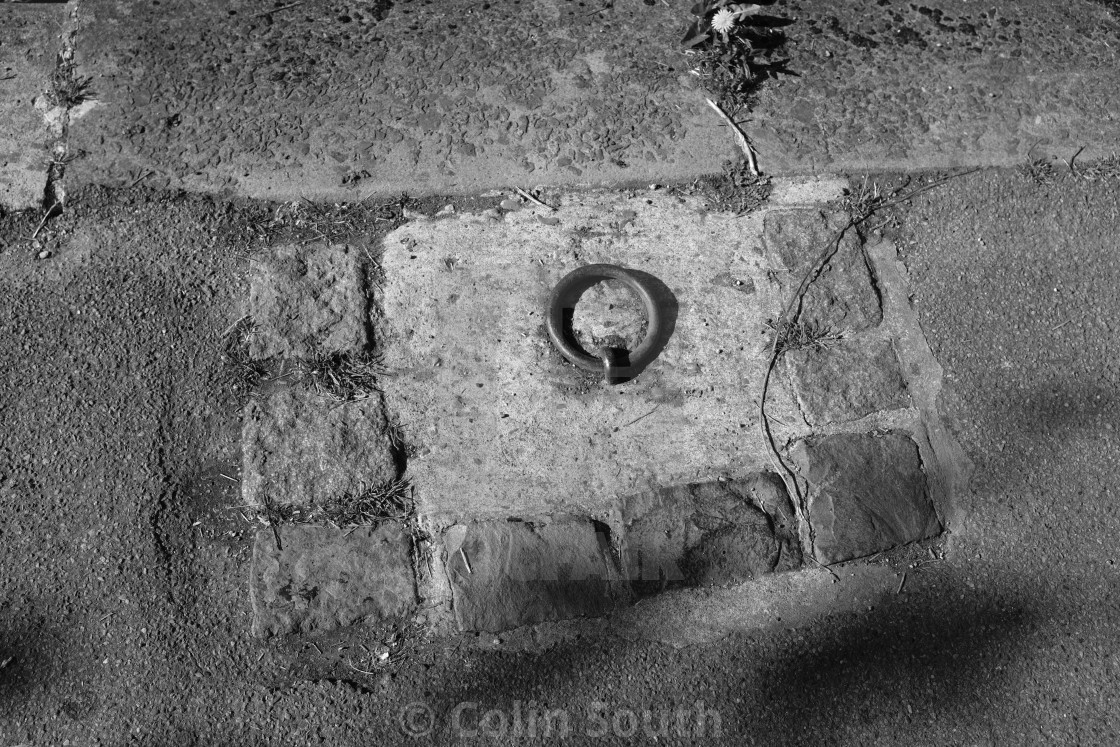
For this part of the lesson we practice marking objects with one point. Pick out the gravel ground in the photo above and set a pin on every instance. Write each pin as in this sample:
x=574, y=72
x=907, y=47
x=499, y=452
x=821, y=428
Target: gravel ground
x=121, y=622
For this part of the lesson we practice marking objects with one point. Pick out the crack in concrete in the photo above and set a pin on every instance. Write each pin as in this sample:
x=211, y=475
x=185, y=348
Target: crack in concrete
x=59, y=116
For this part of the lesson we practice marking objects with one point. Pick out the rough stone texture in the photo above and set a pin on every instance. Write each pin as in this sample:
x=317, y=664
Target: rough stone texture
x=892, y=85
x=505, y=574
x=300, y=448
x=866, y=493
x=306, y=301
x=846, y=380
x=324, y=578
x=345, y=100
x=500, y=425
x=843, y=298
x=713, y=533
x=29, y=43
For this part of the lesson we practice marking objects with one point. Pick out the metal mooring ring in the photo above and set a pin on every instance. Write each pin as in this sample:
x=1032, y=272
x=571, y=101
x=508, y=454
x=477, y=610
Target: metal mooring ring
x=561, y=307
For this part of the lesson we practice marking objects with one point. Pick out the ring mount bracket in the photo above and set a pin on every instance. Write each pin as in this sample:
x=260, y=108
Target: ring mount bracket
x=615, y=364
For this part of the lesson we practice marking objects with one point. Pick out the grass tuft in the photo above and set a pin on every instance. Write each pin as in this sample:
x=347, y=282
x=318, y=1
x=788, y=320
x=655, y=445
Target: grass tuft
x=736, y=190
x=1038, y=170
x=797, y=335
x=367, y=507
x=343, y=377
x=68, y=89
x=863, y=199
x=245, y=373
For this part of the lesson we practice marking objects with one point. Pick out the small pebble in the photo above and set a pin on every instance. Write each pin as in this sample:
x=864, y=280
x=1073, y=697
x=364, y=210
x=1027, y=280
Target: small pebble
x=44, y=254
x=510, y=204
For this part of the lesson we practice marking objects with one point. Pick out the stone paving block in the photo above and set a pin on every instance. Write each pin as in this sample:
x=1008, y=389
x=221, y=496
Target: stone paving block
x=306, y=301
x=867, y=493
x=28, y=48
x=846, y=380
x=844, y=297
x=324, y=578
x=713, y=533
x=505, y=574
x=502, y=425
x=303, y=449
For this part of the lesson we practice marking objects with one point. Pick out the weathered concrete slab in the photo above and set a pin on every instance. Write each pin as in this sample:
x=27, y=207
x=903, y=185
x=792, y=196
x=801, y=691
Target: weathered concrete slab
x=303, y=449
x=29, y=45
x=505, y=574
x=324, y=578
x=715, y=533
x=846, y=379
x=941, y=83
x=323, y=102
x=307, y=301
x=502, y=426
x=867, y=493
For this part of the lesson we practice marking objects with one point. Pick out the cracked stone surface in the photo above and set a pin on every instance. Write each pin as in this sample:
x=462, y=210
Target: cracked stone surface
x=307, y=301
x=843, y=297
x=505, y=574
x=301, y=448
x=30, y=41
x=714, y=533
x=867, y=493
x=846, y=380
x=325, y=578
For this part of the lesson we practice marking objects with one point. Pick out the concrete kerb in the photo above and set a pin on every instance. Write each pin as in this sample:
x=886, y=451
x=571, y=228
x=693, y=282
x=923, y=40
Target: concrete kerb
x=30, y=127
x=466, y=342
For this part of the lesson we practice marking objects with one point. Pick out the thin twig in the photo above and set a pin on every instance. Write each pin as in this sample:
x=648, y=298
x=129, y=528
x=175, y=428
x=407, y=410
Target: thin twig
x=233, y=326
x=466, y=562
x=276, y=10
x=351, y=665
x=530, y=198
x=822, y=565
x=1075, y=155
x=740, y=136
x=46, y=215
x=640, y=417
x=901, y=583
x=1059, y=326
x=143, y=175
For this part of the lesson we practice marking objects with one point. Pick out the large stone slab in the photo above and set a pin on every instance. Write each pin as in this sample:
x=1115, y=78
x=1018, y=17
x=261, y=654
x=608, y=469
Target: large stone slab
x=322, y=578
x=505, y=574
x=29, y=45
x=843, y=298
x=501, y=425
x=300, y=448
x=343, y=101
x=715, y=533
x=867, y=493
x=846, y=380
x=307, y=301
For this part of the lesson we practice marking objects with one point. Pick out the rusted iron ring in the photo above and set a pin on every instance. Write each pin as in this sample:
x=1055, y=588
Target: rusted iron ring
x=561, y=308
